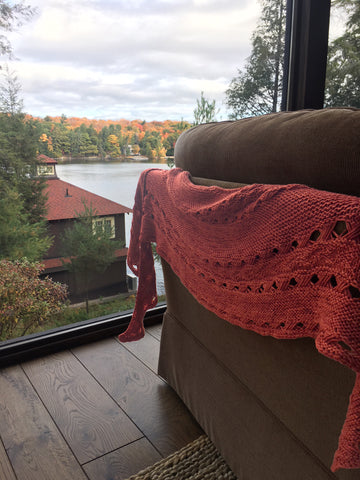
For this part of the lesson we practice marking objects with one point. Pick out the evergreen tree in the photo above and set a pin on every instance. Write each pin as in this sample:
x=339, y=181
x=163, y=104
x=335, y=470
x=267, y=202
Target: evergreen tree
x=343, y=68
x=10, y=102
x=257, y=88
x=22, y=199
x=205, y=110
x=103, y=141
x=88, y=247
x=19, y=238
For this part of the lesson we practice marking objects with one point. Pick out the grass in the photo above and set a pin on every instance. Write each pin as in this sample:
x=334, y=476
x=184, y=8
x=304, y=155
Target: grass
x=72, y=314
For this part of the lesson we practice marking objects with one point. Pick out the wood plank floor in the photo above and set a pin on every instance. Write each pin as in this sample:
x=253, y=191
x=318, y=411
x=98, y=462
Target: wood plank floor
x=96, y=412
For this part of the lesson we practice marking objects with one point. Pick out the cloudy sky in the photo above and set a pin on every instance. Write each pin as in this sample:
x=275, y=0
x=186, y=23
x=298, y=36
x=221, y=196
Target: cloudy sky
x=133, y=59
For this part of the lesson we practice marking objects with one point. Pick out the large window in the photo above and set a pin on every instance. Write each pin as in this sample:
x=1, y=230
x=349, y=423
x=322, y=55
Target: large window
x=107, y=90
x=152, y=72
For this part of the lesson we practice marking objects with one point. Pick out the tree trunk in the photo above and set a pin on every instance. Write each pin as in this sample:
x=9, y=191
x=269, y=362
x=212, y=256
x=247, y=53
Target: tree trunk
x=277, y=58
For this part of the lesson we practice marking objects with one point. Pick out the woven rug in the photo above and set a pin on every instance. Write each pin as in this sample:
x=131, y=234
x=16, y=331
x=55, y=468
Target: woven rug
x=196, y=461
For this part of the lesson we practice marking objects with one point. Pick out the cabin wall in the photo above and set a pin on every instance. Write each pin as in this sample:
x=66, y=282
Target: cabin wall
x=111, y=282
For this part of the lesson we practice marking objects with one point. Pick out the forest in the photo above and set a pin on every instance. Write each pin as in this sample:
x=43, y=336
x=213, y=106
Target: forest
x=81, y=137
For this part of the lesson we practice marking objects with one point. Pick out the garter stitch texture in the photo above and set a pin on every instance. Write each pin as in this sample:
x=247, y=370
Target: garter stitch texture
x=281, y=260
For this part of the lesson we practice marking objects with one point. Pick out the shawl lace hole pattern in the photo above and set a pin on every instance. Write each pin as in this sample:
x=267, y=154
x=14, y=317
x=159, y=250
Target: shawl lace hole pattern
x=340, y=229
x=354, y=292
x=315, y=235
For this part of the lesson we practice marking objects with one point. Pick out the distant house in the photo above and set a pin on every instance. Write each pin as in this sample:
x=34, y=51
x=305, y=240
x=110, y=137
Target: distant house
x=64, y=202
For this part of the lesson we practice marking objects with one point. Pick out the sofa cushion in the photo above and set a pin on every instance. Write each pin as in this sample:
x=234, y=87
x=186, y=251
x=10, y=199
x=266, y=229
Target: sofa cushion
x=319, y=148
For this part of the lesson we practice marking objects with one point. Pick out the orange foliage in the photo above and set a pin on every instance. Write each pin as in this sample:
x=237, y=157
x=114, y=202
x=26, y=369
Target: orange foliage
x=132, y=131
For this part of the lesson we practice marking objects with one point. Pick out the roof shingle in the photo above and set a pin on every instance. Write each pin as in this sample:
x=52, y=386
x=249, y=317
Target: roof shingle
x=66, y=201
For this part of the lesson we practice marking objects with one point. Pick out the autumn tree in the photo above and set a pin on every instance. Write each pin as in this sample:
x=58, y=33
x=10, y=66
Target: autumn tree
x=169, y=143
x=58, y=136
x=114, y=149
x=205, y=110
x=257, y=88
x=26, y=301
x=88, y=247
x=343, y=68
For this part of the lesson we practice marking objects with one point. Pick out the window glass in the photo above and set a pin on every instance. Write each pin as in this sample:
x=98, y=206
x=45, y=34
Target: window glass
x=343, y=68
x=106, y=224
x=46, y=170
x=98, y=92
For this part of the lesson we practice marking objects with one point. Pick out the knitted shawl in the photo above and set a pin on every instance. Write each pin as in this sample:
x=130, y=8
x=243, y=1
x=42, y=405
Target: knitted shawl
x=281, y=260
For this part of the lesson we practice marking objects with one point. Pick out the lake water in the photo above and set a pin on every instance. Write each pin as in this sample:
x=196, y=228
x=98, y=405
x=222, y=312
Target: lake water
x=115, y=181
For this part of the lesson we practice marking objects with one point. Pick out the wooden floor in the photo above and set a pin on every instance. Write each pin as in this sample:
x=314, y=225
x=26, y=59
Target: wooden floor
x=97, y=412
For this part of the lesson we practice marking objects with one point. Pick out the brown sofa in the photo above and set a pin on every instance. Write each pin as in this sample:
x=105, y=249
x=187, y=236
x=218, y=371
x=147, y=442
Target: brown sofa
x=273, y=408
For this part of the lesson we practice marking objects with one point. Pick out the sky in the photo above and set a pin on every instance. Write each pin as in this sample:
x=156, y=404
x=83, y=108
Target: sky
x=132, y=59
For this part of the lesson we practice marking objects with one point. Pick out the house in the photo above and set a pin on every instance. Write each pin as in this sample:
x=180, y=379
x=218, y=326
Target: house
x=64, y=202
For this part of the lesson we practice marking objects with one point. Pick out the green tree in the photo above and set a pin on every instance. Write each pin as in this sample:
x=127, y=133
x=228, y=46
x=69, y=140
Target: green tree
x=343, y=67
x=88, y=247
x=60, y=137
x=22, y=199
x=257, y=88
x=12, y=15
x=19, y=238
x=205, y=110
x=169, y=143
x=103, y=141
x=10, y=101
x=151, y=144
x=93, y=136
x=75, y=142
x=86, y=146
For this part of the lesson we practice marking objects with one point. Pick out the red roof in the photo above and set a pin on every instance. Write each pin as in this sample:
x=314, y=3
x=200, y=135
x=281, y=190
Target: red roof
x=66, y=200
x=44, y=159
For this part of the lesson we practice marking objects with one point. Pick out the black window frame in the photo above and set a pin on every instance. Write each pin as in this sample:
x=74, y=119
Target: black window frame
x=305, y=59
x=304, y=84
x=20, y=349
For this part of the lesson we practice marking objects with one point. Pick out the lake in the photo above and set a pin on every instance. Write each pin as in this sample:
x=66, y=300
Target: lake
x=115, y=181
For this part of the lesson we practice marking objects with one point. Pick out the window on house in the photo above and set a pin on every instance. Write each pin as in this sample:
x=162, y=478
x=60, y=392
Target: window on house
x=46, y=170
x=105, y=223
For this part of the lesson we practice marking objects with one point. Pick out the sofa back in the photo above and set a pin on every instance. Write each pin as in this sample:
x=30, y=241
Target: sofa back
x=318, y=148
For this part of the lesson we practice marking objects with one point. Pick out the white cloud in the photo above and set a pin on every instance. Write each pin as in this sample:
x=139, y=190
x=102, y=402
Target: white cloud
x=145, y=59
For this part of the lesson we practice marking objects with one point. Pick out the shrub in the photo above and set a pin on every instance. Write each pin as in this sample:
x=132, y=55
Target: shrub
x=26, y=301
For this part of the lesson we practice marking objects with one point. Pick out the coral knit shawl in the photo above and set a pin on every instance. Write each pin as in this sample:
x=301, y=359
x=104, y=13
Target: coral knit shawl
x=281, y=260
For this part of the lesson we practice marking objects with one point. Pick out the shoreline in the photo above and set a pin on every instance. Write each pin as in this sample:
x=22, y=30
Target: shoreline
x=122, y=159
